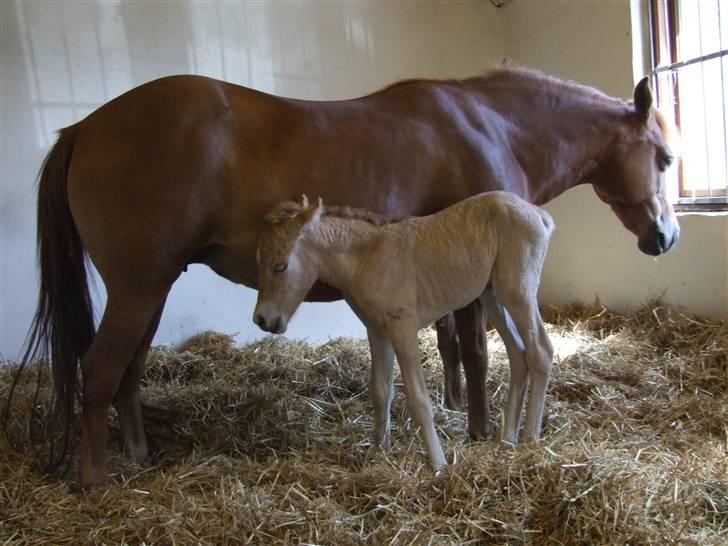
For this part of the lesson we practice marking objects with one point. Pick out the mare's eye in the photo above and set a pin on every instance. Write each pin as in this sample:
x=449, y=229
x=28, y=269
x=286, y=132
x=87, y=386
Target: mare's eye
x=280, y=268
x=665, y=162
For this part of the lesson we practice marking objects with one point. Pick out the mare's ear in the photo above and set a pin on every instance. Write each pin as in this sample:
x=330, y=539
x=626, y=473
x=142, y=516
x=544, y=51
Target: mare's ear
x=643, y=98
x=283, y=211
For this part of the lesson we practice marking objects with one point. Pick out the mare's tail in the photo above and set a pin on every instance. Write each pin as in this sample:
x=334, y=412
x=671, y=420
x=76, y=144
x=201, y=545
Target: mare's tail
x=63, y=326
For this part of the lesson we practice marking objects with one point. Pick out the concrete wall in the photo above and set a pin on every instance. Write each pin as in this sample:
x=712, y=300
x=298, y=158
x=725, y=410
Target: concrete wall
x=592, y=255
x=61, y=60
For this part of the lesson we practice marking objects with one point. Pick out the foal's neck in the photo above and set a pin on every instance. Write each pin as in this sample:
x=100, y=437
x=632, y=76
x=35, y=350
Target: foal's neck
x=339, y=244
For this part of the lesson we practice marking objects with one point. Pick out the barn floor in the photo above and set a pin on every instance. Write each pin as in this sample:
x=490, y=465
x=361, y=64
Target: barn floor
x=269, y=444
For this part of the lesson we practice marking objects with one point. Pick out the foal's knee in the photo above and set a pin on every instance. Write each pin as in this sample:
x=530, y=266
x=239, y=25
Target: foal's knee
x=420, y=407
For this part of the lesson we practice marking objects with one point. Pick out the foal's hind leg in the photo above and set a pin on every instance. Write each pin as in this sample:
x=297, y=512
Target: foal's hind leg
x=521, y=303
x=127, y=400
x=449, y=347
x=517, y=363
x=124, y=325
x=471, y=322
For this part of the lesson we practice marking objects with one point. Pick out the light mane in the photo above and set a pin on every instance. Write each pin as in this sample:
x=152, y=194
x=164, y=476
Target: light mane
x=364, y=215
x=291, y=209
x=539, y=81
x=669, y=131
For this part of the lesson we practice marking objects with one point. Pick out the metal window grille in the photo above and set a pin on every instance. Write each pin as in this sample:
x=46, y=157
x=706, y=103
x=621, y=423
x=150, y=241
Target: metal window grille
x=690, y=60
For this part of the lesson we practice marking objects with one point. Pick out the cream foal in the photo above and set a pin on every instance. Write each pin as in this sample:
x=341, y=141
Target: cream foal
x=401, y=276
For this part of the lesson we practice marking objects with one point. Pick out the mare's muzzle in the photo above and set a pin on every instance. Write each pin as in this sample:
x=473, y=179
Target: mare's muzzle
x=660, y=238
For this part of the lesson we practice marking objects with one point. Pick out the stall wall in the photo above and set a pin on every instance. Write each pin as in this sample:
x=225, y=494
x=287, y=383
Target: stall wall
x=61, y=60
x=592, y=256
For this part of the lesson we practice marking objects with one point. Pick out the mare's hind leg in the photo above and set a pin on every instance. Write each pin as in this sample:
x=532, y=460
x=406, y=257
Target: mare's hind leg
x=517, y=362
x=381, y=385
x=127, y=400
x=449, y=348
x=126, y=320
x=471, y=321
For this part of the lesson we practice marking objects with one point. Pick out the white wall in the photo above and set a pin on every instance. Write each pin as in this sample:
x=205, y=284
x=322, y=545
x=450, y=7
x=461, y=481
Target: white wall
x=61, y=60
x=592, y=255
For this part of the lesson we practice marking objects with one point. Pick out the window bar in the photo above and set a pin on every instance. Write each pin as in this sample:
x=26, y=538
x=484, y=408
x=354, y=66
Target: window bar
x=688, y=62
x=705, y=110
x=722, y=102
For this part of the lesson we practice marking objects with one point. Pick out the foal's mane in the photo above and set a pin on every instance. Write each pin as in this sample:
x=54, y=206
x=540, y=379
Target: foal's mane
x=365, y=215
x=290, y=209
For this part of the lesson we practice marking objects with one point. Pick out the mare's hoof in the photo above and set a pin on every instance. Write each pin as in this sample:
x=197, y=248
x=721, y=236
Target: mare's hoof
x=482, y=434
x=454, y=401
x=92, y=478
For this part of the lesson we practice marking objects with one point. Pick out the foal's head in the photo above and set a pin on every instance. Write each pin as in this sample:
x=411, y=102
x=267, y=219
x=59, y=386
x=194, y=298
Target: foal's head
x=631, y=179
x=284, y=275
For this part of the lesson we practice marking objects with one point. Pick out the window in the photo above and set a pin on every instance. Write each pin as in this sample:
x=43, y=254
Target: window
x=690, y=60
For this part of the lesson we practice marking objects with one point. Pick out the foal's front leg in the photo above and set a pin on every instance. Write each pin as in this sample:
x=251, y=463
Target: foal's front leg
x=404, y=340
x=381, y=385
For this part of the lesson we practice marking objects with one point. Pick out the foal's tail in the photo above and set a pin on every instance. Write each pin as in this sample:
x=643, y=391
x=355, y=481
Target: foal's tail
x=63, y=326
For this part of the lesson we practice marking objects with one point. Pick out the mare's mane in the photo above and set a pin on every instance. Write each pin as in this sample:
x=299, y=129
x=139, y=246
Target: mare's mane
x=534, y=79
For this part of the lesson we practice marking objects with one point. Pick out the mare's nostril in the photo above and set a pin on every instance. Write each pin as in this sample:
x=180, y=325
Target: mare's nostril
x=260, y=321
x=661, y=241
x=276, y=325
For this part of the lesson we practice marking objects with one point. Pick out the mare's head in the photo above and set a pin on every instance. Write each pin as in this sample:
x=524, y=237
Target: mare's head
x=285, y=273
x=631, y=177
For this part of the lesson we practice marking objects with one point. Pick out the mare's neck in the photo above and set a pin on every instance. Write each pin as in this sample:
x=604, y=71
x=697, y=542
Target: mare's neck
x=338, y=245
x=559, y=132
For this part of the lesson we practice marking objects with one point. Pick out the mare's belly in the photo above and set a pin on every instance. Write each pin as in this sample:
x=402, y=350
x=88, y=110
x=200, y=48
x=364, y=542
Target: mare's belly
x=235, y=264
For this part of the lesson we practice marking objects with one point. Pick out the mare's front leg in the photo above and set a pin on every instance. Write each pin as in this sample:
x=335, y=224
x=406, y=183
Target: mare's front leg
x=449, y=347
x=517, y=362
x=381, y=385
x=419, y=405
x=471, y=322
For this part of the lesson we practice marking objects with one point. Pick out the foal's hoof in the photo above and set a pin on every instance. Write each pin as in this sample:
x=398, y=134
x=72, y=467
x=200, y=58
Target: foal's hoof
x=384, y=445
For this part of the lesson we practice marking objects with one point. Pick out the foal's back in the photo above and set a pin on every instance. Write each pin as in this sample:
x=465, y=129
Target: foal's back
x=444, y=261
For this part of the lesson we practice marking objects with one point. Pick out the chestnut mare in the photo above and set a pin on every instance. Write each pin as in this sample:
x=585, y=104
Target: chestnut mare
x=182, y=170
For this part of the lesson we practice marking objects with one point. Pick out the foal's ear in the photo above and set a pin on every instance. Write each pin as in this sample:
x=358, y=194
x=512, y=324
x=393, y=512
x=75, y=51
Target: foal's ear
x=283, y=211
x=643, y=98
x=312, y=214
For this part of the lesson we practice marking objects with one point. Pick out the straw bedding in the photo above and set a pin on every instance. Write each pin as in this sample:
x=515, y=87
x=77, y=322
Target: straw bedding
x=269, y=444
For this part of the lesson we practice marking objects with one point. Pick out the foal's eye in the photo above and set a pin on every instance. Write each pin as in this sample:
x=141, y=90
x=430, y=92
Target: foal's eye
x=280, y=268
